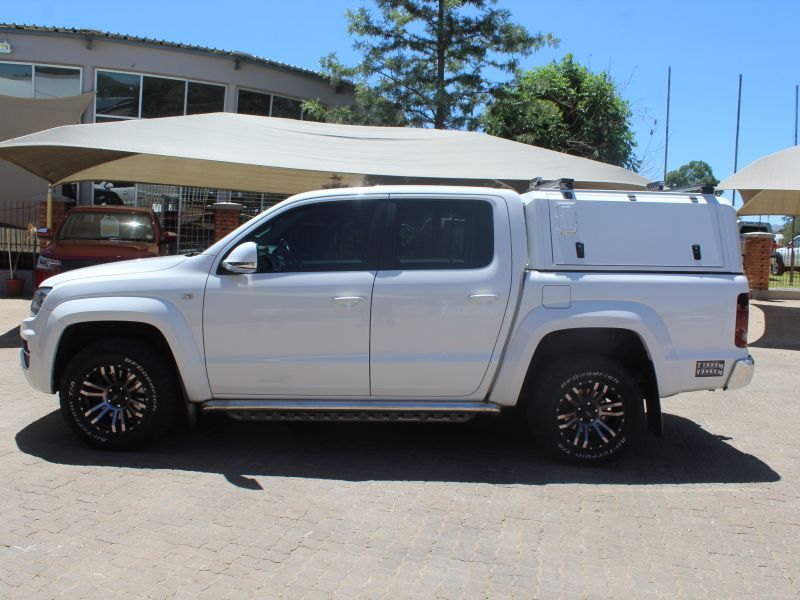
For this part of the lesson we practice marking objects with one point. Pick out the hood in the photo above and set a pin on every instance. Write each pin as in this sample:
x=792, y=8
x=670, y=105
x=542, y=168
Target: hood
x=125, y=267
x=100, y=250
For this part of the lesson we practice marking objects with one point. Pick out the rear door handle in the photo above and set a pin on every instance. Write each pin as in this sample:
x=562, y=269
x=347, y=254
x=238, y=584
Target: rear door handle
x=485, y=297
x=348, y=300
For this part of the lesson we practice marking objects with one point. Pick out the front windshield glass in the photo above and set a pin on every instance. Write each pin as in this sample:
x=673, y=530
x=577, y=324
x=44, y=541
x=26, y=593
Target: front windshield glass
x=130, y=227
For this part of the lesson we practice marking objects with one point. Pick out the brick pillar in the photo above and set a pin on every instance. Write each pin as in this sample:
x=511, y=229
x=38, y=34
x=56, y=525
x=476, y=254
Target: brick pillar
x=757, y=254
x=60, y=208
x=226, y=218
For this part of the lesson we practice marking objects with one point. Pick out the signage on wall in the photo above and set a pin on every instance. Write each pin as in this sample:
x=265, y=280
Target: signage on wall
x=5, y=48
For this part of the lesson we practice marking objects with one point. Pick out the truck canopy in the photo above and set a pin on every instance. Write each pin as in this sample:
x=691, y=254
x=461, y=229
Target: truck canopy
x=659, y=231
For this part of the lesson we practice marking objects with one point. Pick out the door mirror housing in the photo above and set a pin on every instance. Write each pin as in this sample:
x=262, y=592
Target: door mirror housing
x=168, y=237
x=44, y=233
x=243, y=259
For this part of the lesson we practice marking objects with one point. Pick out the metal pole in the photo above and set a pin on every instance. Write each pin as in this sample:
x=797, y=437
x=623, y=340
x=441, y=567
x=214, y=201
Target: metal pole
x=738, y=121
x=795, y=114
x=666, y=134
x=49, y=223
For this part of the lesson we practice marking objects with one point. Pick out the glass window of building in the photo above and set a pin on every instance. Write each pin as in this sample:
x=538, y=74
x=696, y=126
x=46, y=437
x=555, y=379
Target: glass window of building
x=204, y=98
x=288, y=108
x=117, y=94
x=130, y=95
x=163, y=97
x=56, y=82
x=253, y=103
x=38, y=81
x=16, y=80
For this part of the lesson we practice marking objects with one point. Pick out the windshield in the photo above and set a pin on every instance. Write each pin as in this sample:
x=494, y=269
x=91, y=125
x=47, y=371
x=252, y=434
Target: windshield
x=130, y=227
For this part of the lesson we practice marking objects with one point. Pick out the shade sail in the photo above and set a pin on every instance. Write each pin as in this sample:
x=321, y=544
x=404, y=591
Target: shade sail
x=769, y=185
x=249, y=153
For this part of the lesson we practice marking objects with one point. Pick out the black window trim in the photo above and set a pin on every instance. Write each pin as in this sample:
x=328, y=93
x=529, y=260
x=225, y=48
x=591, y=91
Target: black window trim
x=388, y=258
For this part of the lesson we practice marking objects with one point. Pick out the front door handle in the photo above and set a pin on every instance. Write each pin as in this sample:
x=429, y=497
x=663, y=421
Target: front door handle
x=348, y=300
x=484, y=297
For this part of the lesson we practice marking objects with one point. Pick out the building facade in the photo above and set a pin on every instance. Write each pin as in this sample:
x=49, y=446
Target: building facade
x=136, y=78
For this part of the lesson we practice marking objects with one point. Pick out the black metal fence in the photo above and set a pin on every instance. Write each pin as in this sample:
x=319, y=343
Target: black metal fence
x=18, y=243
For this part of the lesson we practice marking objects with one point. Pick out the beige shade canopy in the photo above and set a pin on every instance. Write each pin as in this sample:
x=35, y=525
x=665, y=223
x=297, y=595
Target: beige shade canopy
x=770, y=185
x=263, y=154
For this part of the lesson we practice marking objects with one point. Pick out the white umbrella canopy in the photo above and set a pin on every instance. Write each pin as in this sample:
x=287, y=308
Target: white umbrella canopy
x=769, y=185
x=249, y=153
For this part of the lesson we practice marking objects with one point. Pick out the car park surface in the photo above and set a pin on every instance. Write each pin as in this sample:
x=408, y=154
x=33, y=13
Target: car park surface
x=317, y=510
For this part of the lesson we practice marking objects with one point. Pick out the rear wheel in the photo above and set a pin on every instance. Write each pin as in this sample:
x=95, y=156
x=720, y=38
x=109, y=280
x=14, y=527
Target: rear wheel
x=585, y=410
x=118, y=393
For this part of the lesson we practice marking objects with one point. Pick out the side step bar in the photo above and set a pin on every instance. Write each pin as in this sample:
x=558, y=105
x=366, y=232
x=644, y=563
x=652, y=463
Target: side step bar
x=348, y=410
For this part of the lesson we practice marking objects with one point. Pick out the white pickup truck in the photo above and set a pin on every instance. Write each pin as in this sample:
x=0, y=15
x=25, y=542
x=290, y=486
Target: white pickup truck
x=583, y=308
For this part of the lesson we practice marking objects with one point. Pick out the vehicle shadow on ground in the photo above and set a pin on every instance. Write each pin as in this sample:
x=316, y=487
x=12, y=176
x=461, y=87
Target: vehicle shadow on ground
x=781, y=327
x=488, y=450
x=11, y=339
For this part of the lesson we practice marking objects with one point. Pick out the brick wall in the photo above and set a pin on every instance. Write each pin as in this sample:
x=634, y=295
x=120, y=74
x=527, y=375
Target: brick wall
x=226, y=218
x=757, y=254
x=60, y=209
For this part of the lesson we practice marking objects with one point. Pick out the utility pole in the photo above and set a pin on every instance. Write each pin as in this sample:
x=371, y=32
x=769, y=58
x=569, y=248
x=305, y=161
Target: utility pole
x=666, y=134
x=738, y=121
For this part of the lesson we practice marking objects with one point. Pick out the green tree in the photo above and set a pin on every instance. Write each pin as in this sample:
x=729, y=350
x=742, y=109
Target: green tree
x=694, y=172
x=564, y=106
x=429, y=59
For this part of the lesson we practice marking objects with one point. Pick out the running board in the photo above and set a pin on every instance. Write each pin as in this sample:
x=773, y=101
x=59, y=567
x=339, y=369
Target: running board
x=350, y=410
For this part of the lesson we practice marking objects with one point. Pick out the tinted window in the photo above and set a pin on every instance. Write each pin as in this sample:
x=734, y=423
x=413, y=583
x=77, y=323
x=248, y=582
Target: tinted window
x=253, y=103
x=57, y=82
x=442, y=234
x=117, y=94
x=162, y=97
x=286, y=108
x=16, y=80
x=204, y=98
x=322, y=237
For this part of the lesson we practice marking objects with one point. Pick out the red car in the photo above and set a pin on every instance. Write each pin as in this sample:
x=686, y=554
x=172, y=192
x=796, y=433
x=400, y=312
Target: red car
x=91, y=235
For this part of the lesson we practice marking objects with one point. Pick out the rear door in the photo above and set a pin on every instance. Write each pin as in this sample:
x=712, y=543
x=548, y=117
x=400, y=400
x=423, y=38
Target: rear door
x=439, y=296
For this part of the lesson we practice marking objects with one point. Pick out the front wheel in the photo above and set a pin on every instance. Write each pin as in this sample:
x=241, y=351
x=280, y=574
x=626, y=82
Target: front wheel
x=585, y=410
x=118, y=393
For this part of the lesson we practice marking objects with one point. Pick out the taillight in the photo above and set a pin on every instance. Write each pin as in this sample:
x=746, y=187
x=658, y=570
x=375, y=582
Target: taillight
x=742, y=319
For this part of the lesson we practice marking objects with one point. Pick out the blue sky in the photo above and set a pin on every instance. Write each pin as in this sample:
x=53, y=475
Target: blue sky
x=708, y=43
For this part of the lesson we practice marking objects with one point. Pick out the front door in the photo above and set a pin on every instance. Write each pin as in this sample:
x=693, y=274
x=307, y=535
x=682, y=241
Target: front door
x=440, y=296
x=300, y=325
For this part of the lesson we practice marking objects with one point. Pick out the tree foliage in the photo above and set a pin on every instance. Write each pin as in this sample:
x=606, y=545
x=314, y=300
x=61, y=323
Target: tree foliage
x=564, y=106
x=694, y=172
x=428, y=59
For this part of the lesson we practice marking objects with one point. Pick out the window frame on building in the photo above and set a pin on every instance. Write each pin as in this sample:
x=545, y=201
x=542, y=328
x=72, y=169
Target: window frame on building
x=271, y=95
x=142, y=74
x=33, y=66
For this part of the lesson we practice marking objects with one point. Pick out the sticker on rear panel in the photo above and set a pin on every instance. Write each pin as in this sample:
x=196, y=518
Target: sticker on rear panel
x=709, y=368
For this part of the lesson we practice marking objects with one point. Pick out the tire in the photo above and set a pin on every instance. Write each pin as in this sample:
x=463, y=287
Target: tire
x=596, y=431
x=119, y=393
x=777, y=266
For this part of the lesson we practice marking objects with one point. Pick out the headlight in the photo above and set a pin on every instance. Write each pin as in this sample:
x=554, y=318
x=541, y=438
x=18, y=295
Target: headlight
x=38, y=299
x=47, y=264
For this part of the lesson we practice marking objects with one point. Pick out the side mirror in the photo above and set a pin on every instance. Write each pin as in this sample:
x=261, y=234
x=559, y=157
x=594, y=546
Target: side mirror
x=242, y=259
x=168, y=237
x=44, y=233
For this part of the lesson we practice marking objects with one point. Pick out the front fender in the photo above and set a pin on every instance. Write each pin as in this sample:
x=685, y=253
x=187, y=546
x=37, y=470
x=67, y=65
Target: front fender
x=159, y=313
x=536, y=324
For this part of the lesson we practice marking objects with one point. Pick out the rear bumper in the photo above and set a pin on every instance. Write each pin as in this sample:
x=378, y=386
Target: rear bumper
x=741, y=374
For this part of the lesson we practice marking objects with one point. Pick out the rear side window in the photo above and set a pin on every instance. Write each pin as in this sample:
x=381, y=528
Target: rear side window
x=333, y=236
x=441, y=234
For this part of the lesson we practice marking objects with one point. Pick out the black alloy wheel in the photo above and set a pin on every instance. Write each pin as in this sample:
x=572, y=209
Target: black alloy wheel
x=586, y=410
x=118, y=393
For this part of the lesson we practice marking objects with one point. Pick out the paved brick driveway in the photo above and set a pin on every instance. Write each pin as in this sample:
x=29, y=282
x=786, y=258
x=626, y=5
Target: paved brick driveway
x=410, y=511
